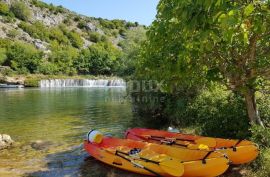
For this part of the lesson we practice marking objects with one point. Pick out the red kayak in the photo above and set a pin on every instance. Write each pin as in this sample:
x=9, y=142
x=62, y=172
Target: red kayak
x=238, y=151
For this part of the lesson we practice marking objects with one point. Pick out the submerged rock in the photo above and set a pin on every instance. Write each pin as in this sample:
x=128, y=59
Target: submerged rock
x=5, y=141
x=41, y=145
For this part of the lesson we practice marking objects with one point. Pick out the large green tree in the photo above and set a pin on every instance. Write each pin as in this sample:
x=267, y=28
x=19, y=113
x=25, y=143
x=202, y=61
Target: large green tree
x=223, y=40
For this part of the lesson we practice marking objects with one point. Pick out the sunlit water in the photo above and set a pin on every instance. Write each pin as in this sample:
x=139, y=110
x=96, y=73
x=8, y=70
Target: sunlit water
x=60, y=118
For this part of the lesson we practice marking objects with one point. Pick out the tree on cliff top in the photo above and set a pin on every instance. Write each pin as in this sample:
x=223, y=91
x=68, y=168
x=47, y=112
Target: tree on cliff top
x=224, y=40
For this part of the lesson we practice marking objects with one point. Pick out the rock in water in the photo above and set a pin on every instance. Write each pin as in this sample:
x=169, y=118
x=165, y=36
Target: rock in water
x=41, y=145
x=5, y=141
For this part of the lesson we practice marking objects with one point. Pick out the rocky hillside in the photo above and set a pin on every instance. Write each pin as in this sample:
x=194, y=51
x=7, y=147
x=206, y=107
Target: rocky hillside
x=36, y=37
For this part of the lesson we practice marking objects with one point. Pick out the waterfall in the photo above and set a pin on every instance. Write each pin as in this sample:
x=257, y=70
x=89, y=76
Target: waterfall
x=81, y=83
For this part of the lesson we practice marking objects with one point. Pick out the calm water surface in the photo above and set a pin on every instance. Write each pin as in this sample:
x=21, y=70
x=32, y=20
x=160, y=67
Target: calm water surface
x=60, y=118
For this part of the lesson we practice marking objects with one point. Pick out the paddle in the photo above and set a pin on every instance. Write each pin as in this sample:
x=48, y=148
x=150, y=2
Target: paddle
x=210, y=142
x=172, y=167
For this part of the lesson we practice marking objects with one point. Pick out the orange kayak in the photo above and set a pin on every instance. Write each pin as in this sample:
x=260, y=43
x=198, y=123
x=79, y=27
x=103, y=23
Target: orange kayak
x=157, y=160
x=238, y=151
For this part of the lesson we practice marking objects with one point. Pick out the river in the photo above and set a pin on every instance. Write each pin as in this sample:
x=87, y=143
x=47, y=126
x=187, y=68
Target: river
x=60, y=119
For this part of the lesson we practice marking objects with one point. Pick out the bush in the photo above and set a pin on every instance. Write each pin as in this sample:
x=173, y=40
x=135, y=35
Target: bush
x=23, y=57
x=220, y=113
x=63, y=58
x=82, y=25
x=94, y=37
x=21, y=11
x=31, y=82
x=58, y=35
x=40, y=4
x=4, y=9
x=13, y=33
x=37, y=30
x=3, y=55
x=75, y=39
x=48, y=68
x=261, y=166
x=100, y=59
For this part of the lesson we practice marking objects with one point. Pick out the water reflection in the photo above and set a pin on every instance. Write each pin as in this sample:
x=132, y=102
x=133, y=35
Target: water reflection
x=60, y=117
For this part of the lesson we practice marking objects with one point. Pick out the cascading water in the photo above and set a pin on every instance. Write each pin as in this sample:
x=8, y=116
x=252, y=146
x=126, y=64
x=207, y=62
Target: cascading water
x=81, y=83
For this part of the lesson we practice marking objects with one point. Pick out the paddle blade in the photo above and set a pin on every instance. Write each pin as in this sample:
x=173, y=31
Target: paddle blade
x=172, y=167
x=210, y=142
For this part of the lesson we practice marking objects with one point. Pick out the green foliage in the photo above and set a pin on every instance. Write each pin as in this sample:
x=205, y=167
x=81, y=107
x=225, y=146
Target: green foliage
x=63, y=57
x=37, y=30
x=261, y=136
x=220, y=114
x=261, y=165
x=131, y=48
x=82, y=24
x=94, y=37
x=23, y=57
x=75, y=39
x=13, y=33
x=58, y=35
x=107, y=24
x=4, y=9
x=100, y=58
x=209, y=41
x=21, y=11
x=31, y=82
x=48, y=68
x=3, y=55
x=51, y=7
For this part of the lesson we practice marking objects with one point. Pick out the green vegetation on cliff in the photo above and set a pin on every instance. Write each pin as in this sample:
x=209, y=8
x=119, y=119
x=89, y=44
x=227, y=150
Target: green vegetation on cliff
x=52, y=40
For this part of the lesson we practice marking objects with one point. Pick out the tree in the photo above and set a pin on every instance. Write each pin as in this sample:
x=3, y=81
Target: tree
x=99, y=58
x=223, y=40
x=23, y=57
x=21, y=11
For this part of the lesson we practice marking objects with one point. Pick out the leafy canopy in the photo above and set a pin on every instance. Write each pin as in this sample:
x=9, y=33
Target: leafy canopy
x=221, y=40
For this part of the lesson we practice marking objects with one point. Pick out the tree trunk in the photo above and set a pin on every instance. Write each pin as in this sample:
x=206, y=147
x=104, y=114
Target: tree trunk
x=252, y=109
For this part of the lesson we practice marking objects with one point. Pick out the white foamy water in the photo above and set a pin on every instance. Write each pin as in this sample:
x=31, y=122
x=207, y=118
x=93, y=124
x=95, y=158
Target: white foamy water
x=81, y=83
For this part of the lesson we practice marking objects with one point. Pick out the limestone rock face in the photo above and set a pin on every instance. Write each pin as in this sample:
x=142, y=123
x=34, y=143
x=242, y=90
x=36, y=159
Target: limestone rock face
x=5, y=141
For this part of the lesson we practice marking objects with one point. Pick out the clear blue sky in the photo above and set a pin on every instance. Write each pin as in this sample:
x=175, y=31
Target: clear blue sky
x=142, y=11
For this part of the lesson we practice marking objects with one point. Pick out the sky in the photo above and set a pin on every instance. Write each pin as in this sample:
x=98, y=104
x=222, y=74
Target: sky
x=142, y=11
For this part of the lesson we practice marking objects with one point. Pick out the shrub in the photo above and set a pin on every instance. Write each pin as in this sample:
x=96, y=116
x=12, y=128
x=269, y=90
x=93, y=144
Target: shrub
x=220, y=113
x=23, y=57
x=4, y=9
x=261, y=166
x=8, y=19
x=63, y=57
x=261, y=136
x=48, y=68
x=94, y=37
x=31, y=82
x=58, y=35
x=75, y=39
x=40, y=4
x=82, y=25
x=7, y=71
x=37, y=30
x=3, y=55
x=122, y=32
x=21, y=11
x=13, y=33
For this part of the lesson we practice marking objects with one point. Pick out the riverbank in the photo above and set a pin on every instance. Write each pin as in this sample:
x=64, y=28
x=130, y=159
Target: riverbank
x=33, y=80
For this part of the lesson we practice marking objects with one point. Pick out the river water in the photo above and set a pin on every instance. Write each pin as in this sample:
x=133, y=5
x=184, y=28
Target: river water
x=49, y=126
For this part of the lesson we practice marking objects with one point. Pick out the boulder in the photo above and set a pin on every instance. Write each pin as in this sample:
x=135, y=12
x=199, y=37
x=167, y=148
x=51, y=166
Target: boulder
x=5, y=141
